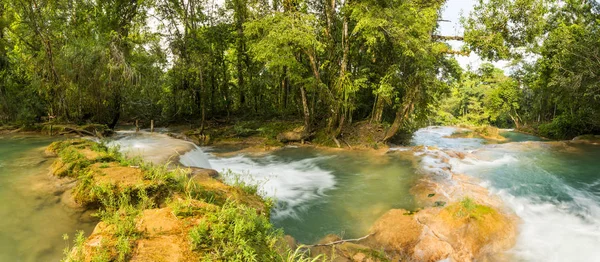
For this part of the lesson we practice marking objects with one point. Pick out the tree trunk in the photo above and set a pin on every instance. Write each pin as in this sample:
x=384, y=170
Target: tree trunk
x=401, y=114
x=306, y=111
x=377, y=109
x=285, y=88
x=202, y=101
x=240, y=18
x=116, y=110
x=337, y=118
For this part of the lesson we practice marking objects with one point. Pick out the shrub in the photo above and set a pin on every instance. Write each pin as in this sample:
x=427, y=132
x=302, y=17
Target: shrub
x=563, y=127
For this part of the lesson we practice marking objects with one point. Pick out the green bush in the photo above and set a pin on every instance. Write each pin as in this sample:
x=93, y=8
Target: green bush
x=563, y=127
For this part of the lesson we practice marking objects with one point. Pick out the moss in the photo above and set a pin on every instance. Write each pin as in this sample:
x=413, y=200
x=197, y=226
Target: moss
x=462, y=134
x=476, y=224
x=468, y=208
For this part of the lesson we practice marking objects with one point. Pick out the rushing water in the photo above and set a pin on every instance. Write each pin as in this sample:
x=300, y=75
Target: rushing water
x=554, y=187
x=321, y=192
x=32, y=219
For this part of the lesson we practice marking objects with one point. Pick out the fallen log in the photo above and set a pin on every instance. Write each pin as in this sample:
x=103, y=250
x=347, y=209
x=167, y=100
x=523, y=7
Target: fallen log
x=80, y=132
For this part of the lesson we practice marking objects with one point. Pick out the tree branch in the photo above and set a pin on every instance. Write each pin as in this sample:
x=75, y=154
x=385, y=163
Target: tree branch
x=443, y=37
x=340, y=241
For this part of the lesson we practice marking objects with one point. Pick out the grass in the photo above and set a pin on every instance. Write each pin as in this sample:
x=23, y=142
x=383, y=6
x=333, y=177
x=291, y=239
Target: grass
x=74, y=254
x=234, y=223
x=235, y=233
x=119, y=214
x=487, y=131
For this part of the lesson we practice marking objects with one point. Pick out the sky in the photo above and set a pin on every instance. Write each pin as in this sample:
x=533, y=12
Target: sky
x=452, y=12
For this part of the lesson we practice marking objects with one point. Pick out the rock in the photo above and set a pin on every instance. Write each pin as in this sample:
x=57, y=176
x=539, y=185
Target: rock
x=291, y=242
x=68, y=200
x=432, y=249
x=472, y=230
x=291, y=136
x=163, y=248
x=396, y=232
x=159, y=221
x=587, y=139
x=359, y=257
x=200, y=173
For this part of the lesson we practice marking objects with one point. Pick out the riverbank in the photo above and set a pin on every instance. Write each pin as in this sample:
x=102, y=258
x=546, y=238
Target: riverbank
x=446, y=199
x=151, y=212
x=107, y=175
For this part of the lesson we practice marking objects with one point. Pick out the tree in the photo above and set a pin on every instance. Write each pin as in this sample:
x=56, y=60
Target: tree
x=561, y=83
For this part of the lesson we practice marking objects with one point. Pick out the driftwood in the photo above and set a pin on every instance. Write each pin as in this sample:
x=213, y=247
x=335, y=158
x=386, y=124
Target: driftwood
x=339, y=242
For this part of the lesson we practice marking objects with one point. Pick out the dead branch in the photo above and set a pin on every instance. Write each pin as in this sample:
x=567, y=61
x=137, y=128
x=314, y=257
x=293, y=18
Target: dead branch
x=455, y=52
x=339, y=241
x=80, y=132
x=346, y=143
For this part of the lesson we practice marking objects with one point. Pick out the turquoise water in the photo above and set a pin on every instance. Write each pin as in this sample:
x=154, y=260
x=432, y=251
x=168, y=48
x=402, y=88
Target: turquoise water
x=513, y=136
x=324, y=192
x=554, y=187
x=32, y=218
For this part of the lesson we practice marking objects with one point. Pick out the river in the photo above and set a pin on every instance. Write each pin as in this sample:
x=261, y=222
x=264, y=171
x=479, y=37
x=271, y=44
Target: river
x=554, y=187
x=32, y=218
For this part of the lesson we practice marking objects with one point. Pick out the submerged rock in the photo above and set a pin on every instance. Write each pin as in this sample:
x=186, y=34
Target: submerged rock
x=587, y=139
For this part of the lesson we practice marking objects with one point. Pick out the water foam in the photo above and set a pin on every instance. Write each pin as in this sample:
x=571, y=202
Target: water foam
x=195, y=158
x=438, y=136
x=160, y=148
x=555, y=231
x=292, y=184
x=558, y=222
x=562, y=224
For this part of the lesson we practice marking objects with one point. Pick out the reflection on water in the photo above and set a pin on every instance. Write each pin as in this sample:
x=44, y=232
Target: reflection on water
x=321, y=192
x=32, y=219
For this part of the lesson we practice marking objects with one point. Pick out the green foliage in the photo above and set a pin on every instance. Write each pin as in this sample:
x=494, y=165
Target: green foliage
x=481, y=98
x=554, y=46
x=74, y=254
x=121, y=215
x=99, y=62
x=235, y=233
x=236, y=180
x=563, y=127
